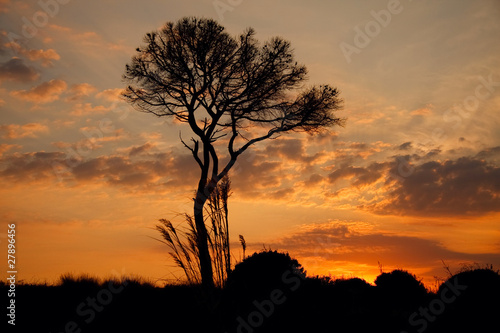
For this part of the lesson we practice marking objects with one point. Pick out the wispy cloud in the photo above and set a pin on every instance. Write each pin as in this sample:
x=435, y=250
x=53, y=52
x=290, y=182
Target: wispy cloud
x=31, y=130
x=87, y=40
x=47, y=57
x=110, y=95
x=78, y=91
x=44, y=93
x=85, y=109
x=4, y=147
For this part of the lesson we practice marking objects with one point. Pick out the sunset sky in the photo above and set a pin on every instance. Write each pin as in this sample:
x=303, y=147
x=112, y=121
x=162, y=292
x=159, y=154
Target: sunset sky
x=413, y=179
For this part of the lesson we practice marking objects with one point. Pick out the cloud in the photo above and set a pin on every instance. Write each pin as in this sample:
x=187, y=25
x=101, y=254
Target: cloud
x=88, y=41
x=425, y=111
x=30, y=167
x=31, y=130
x=44, y=93
x=254, y=175
x=79, y=91
x=144, y=170
x=84, y=109
x=405, y=146
x=45, y=56
x=421, y=183
x=138, y=150
x=290, y=149
x=463, y=187
x=94, y=139
x=111, y=95
x=281, y=194
x=6, y=147
x=490, y=154
x=4, y=6
x=16, y=70
x=360, y=176
x=149, y=173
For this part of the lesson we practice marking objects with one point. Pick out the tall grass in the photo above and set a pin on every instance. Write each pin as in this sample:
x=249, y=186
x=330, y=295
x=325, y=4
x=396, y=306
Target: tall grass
x=182, y=241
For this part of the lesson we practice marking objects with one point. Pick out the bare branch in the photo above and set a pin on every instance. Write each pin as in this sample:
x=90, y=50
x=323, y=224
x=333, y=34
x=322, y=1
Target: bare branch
x=193, y=150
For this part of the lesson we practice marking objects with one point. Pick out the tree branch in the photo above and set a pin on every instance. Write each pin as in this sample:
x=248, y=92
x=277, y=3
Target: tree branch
x=194, y=150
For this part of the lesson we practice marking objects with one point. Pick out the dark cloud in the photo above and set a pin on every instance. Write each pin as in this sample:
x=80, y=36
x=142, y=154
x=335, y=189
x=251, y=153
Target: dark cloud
x=147, y=172
x=426, y=184
x=284, y=193
x=342, y=241
x=313, y=180
x=463, y=187
x=290, y=149
x=490, y=154
x=151, y=171
x=256, y=176
x=360, y=176
x=30, y=167
x=138, y=150
x=16, y=70
x=405, y=146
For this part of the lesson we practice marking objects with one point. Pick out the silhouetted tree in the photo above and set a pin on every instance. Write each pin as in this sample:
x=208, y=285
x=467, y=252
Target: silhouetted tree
x=223, y=87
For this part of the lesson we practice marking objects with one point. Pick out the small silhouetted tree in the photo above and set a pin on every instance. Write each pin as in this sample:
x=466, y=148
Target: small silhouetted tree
x=223, y=87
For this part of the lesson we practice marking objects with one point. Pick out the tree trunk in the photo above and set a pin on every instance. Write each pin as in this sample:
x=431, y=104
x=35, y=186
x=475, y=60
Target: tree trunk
x=206, y=271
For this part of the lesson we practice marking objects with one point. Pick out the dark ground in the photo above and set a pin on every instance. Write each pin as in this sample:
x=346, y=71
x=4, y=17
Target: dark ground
x=268, y=292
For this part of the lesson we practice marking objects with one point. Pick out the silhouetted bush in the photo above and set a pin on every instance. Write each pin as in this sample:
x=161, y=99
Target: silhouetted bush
x=400, y=280
x=257, y=279
x=263, y=268
x=470, y=303
x=398, y=294
x=353, y=284
x=402, y=287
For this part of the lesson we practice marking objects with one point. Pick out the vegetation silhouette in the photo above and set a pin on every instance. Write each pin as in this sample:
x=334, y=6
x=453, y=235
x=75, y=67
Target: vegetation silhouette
x=183, y=241
x=402, y=287
x=266, y=292
x=475, y=309
x=224, y=88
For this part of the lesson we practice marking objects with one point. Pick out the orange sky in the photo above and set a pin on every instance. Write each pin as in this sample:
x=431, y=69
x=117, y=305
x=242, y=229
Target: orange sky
x=412, y=180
